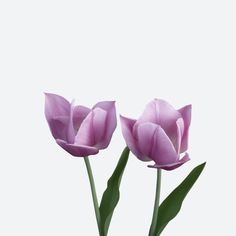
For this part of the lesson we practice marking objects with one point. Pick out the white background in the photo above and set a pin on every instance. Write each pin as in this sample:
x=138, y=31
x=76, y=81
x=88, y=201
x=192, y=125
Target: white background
x=130, y=51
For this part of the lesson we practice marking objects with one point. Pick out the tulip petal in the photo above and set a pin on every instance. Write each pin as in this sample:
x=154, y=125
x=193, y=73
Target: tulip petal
x=99, y=127
x=127, y=131
x=111, y=122
x=85, y=134
x=56, y=105
x=92, y=129
x=59, y=127
x=172, y=166
x=105, y=105
x=186, y=114
x=153, y=140
x=57, y=112
x=180, y=131
x=162, y=113
x=71, y=130
x=145, y=135
x=79, y=114
x=77, y=150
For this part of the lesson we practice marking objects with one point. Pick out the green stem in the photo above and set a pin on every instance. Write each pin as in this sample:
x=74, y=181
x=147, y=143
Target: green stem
x=156, y=204
x=94, y=195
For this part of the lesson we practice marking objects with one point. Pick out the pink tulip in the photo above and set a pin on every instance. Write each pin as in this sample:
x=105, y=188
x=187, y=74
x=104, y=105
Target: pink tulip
x=77, y=129
x=159, y=135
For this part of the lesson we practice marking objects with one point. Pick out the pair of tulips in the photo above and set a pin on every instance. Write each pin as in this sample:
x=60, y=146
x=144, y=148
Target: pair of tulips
x=160, y=134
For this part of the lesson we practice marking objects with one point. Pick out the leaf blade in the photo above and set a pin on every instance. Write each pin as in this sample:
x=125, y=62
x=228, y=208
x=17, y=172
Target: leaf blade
x=171, y=206
x=111, y=195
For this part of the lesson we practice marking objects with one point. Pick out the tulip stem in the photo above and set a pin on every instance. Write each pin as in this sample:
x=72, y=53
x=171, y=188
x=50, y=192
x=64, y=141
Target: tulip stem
x=93, y=190
x=156, y=204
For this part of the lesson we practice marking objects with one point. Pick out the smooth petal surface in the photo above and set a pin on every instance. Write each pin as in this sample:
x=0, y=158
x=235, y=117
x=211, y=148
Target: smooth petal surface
x=70, y=129
x=111, y=122
x=127, y=127
x=77, y=150
x=57, y=112
x=79, y=114
x=160, y=148
x=99, y=127
x=162, y=113
x=186, y=114
x=55, y=106
x=92, y=129
x=85, y=134
x=180, y=131
x=59, y=127
x=105, y=105
x=145, y=138
x=172, y=166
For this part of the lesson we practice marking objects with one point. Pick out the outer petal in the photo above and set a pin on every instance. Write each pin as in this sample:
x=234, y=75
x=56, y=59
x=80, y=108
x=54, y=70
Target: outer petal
x=70, y=129
x=162, y=113
x=99, y=127
x=173, y=165
x=85, y=134
x=77, y=150
x=186, y=114
x=105, y=105
x=145, y=135
x=57, y=112
x=59, y=127
x=79, y=114
x=111, y=122
x=92, y=129
x=180, y=130
x=127, y=127
x=153, y=139
x=56, y=105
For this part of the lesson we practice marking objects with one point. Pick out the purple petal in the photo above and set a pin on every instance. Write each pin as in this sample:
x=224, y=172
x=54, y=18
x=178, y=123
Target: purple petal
x=79, y=114
x=111, y=122
x=105, y=105
x=162, y=113
x=56, y=105
x=57, y=112
x=77, y=150
x=71, y=130
x=99, y=127
x=59, y=127
x=186, y=114
x=180, y=131
x=85, y=134
x=145, y=135
x=153, y=140
x=172, y=166
x=92, y=129
x=127, y=127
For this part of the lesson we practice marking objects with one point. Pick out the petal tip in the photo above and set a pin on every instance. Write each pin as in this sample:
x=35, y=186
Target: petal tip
x=172, y=166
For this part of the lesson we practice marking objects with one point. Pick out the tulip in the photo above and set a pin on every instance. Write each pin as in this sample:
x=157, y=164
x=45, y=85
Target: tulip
x=77, y=129
x=159, y=135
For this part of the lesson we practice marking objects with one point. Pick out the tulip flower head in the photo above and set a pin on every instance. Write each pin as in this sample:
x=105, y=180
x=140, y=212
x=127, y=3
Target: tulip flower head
x=159, y=135
x=77, y=129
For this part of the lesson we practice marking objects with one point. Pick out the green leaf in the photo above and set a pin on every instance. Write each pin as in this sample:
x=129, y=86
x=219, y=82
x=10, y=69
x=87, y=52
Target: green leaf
x=172, y=204
x=111, y=195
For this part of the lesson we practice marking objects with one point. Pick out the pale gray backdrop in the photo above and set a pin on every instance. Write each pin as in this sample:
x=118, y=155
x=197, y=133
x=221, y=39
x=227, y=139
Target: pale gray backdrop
x=129, y=51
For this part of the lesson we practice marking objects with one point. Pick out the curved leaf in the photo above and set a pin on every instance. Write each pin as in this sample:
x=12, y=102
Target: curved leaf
x=172, y=204
x=111, y=195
